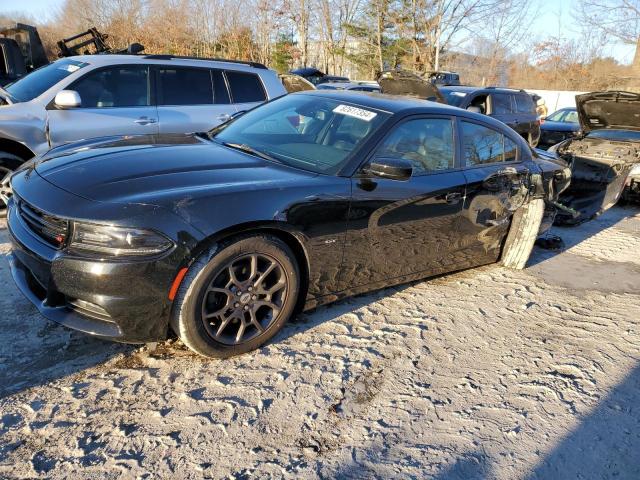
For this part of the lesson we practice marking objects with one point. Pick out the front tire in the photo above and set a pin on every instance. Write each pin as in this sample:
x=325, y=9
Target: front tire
x=236, y=297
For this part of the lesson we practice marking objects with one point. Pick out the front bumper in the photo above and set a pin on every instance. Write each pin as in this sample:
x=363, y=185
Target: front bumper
x=122, y=301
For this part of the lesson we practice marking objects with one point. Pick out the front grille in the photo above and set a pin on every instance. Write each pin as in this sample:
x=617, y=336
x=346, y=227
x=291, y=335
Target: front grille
x=52, y=230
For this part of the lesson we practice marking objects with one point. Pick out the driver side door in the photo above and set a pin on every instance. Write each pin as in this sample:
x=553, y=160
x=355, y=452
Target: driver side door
x=116, y=100
x=399, y=228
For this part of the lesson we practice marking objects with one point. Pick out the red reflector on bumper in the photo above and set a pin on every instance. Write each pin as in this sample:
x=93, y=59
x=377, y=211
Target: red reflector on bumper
x=176, y=283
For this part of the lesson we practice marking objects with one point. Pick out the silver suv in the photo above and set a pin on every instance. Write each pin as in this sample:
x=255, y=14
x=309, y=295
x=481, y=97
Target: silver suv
x=90, y=96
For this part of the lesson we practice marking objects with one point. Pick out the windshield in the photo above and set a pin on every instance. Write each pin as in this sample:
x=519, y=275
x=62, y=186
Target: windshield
x=565, y=116
x=42, y=79
x=619, y=135
x=303, y=131
x=453, y=97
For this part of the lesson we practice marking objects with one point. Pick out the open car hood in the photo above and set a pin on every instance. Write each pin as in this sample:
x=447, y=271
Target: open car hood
x=400, y=82
x=613, y=110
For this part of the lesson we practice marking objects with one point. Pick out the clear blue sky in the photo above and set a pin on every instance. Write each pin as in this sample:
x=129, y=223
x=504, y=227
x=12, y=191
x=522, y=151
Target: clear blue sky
x=554, y=16
x=558, y=16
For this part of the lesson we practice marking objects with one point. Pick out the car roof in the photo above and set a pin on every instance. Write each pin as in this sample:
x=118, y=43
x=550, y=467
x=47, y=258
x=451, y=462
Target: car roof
x=469, y=89
x=101, y=60
x=336, y=85
x=383, y=102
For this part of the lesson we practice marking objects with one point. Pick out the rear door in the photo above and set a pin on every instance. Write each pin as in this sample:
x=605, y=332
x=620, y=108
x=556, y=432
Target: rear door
x=398, y=228
x=497, y=185
x=116, y=100
x=502, y=108
x=191, y=99
x=527, y=117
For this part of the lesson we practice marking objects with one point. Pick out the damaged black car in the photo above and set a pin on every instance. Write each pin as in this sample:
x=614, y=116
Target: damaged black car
x=602, y=157
x=312, y=197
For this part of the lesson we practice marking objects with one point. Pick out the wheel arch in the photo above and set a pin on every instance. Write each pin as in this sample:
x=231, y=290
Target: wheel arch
x=295, y=240
x=16, y=148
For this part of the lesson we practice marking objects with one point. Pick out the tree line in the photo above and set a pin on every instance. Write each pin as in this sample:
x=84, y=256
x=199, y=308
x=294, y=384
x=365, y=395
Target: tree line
x=486, y=41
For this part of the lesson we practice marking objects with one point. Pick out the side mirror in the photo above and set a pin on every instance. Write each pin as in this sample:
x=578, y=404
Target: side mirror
x=391, y=168
x=68, y=99
x=474, y=109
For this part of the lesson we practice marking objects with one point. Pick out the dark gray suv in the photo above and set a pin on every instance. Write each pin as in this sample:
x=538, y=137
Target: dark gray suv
x=516, y=108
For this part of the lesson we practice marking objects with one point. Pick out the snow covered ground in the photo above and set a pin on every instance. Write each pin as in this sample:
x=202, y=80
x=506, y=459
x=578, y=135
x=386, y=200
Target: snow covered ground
x=488, y=373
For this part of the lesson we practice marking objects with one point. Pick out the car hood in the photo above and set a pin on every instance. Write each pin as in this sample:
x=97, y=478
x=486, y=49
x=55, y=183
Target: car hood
x=400, y=82
x=157, y=170
x=614, y=110
x=560, y=126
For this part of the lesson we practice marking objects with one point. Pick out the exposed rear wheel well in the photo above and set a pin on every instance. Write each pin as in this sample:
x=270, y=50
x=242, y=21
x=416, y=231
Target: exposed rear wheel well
x=292, y=242
x=15, y=148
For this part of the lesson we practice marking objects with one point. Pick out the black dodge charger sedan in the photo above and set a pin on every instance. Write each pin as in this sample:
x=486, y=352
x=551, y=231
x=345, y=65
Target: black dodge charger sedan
x=222, y=236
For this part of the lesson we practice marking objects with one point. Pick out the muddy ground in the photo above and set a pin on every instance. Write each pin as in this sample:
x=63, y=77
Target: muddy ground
x=488, y=373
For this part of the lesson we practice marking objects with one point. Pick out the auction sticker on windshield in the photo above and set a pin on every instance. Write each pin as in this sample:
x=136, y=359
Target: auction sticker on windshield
x=356, y=112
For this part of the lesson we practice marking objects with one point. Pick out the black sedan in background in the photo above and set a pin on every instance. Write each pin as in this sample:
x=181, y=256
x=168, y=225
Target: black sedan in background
x=559, y=126
x=315, y=196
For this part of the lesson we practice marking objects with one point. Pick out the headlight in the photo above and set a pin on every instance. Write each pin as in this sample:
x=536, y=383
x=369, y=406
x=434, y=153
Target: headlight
x=117, y=241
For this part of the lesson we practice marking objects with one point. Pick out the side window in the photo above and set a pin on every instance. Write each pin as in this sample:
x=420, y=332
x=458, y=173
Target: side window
x=3, y=63
x=245, y=87
x=510, y=150
x=524, y=104
x=184, y=86
x=427, y=143
x=571, y=117
x=482, y=145
x=500, y=103
x=123, y=86
x=220, y=92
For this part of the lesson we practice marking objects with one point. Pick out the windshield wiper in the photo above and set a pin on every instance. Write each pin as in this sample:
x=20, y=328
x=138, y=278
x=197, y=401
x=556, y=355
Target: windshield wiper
x=243, y=147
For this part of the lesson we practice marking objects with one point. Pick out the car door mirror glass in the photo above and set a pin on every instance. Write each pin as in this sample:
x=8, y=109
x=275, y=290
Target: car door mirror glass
x=68, y=99
x=390, y=168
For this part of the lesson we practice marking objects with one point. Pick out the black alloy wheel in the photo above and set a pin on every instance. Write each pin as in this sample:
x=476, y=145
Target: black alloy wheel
x=244, y=298
x=236, y=296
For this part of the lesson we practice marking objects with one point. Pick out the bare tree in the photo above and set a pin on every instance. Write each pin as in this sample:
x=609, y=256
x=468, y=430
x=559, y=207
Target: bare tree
x=619, y=19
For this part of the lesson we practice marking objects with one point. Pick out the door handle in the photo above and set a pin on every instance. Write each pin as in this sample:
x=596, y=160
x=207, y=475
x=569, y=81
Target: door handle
x=453, y=198
x=145, y=121
x=223, y=117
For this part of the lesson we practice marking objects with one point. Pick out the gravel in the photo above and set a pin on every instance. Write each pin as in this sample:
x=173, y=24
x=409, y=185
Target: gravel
x=487, y=373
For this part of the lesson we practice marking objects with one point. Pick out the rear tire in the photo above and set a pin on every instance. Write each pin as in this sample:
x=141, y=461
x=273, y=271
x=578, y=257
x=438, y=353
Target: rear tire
x=237, y=296
x=8, y=163
x=522, y=235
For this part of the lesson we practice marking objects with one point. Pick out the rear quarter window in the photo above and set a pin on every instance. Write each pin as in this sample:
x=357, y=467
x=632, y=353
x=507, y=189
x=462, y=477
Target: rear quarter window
x=245, y=87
